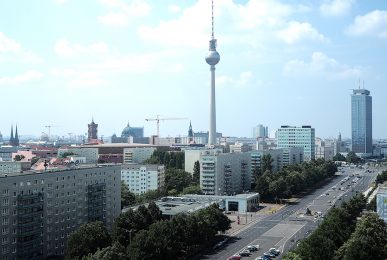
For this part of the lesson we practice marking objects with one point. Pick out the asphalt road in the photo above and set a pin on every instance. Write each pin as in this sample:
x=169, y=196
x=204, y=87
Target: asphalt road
x=289, y=224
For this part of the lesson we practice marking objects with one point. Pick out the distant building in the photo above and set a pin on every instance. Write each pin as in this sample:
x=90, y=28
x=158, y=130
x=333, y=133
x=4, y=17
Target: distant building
x=361, y=111
x=190, y=134
x=239, y=148
x=224, y=173
x=291, y=136
x=90, y=153
x=137, y=154
x=6, y=152
x=260, y=131
x=141, y=178
x=131, y=135
x=325, y=149
x=1, y=138
x=41, y=209
x=92, y=131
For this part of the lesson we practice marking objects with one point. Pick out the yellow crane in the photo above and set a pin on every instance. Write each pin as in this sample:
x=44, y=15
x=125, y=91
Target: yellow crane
x=158, y=119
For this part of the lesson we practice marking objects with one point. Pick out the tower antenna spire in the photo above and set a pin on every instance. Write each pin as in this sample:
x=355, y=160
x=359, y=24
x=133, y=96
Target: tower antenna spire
x=212, y=19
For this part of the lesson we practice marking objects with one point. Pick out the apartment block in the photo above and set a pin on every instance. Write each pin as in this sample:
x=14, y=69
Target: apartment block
x=40, y=209
x=224, y=173
x=141, y=178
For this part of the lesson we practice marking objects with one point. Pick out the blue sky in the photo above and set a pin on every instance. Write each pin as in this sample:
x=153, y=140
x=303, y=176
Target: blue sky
x=282, y=62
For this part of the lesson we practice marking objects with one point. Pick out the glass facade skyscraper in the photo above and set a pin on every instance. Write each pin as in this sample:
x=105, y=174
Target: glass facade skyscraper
x=361, y=109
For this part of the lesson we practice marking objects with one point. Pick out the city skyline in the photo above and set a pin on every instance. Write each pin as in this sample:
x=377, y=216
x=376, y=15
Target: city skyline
x=283, y=63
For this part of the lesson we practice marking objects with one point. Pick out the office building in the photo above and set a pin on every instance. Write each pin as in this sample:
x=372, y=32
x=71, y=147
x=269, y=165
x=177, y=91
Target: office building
x=291, y=136
x=260, y=131
x=361, y=111
x=40, y=209
x=224, y=173
x=142, y=178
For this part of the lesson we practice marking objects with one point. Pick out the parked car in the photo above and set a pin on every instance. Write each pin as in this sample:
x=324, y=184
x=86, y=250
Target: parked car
x=244, y=253
x=262, y=258
x=234, y=257
x=252, y=248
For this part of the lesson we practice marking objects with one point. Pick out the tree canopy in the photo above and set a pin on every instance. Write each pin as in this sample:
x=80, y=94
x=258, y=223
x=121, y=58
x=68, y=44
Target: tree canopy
x=352, y=158
x=87, y=240
x=339, y=157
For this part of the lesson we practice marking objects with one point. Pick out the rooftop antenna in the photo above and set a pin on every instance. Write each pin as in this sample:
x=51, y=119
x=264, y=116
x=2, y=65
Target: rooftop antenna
x=359, y=83
x=363, y=84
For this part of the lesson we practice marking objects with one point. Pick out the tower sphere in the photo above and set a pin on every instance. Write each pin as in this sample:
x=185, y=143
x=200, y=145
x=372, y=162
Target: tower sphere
x=212, y=58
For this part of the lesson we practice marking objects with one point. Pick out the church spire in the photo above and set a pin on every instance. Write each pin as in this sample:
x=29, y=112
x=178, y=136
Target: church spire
x=16, y=140
x=11, y=139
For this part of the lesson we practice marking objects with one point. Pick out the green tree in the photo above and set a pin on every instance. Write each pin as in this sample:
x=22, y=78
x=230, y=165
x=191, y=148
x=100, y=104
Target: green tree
x=177, y=179
x=193, y=189
x=65, y=154
x=382, y=177
x=114, y=252
x=267, y=162
x=339, y=157
x=19, y=157
x=196, y=173
x=128, y=198
x=352, y=157
x=154, y=212
x=34, y=160
x=87, y=239
x=369, y=241
x=292, y=256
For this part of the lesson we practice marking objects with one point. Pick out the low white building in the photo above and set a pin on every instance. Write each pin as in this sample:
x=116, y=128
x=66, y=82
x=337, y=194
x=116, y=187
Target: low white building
x=137, y=154
x=141, y=178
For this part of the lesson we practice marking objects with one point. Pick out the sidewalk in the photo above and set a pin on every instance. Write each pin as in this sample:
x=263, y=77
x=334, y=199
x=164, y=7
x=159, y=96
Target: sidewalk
x=252, y=217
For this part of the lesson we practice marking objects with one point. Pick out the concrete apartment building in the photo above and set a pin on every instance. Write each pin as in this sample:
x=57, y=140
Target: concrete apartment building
x=142, y=178
x=191, y=155
x=381, y=201
x=137, y=154
x=224, y=173
x=39, y=210
x=291, y=136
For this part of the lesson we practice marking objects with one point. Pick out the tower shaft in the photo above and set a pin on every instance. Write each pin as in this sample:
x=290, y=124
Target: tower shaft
x=212, y=131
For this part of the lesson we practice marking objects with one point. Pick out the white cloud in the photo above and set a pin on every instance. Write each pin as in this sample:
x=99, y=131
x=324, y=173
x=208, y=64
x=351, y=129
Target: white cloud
x=373, y=23
x=114, y=19
x=12, y=50
x=28, y=76
x=336, y=7
x=296, y=32
x=321, y=65
x=8, y=45
x=123, y=12
x=249, y=23
x=242, y=81
x=64, y=48
x=174, y=8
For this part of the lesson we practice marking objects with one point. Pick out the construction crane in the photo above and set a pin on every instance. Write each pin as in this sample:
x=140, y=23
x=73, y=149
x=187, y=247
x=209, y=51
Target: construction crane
x=158, y=119
x=49, y=130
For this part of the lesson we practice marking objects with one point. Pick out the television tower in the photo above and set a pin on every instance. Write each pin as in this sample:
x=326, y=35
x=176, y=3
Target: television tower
x=212, y=59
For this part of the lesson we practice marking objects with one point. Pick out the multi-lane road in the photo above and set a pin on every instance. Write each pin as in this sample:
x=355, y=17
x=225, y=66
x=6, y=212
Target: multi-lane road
x=290, y=224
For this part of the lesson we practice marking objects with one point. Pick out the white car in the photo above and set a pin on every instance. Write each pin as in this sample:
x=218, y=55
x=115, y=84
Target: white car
x=252, y=248
x=274, y=251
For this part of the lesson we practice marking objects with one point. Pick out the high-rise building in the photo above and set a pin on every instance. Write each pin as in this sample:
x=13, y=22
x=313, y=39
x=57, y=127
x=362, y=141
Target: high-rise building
x=212, y=59
x=92, y=132
x=291, y=136
x=361, y=110
x=224, y=173
x=260, y=131
x=40, y=209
